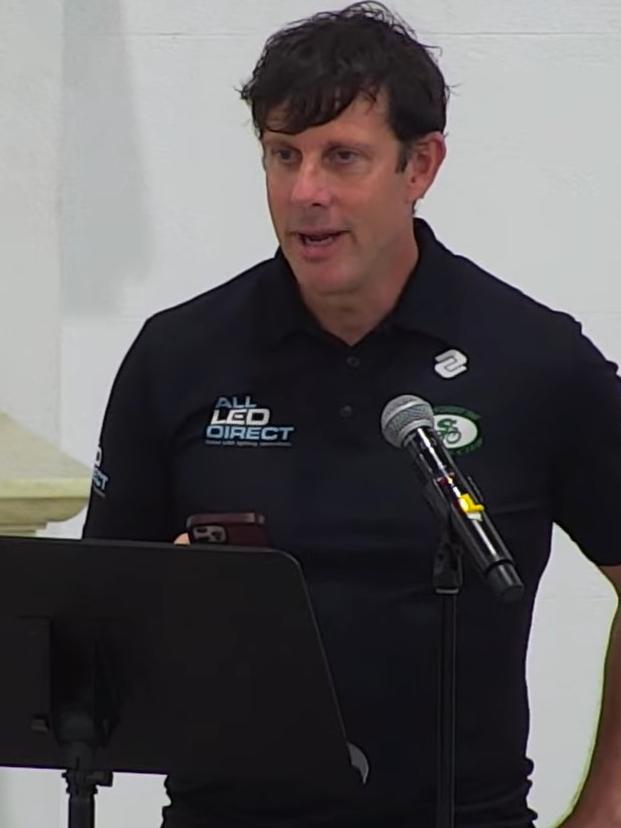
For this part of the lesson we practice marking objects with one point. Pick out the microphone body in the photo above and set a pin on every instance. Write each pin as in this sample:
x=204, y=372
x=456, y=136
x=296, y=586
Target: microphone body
x=407, y=423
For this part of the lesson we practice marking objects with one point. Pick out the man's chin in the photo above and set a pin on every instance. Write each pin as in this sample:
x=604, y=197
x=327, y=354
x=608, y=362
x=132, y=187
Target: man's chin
x=327, y=284
x=321, y=278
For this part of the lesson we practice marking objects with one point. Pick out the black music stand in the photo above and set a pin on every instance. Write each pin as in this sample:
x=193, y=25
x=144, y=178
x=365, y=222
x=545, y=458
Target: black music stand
x=154, y=658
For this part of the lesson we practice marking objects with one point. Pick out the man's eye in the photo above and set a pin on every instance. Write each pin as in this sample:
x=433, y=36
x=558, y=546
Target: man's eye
x=345, y=156
x=283, y=155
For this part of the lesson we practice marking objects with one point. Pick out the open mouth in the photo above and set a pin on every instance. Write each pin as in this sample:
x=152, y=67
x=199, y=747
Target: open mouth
x=319, y=239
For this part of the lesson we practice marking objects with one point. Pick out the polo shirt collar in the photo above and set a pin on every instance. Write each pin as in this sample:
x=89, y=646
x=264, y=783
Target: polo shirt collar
x=431, y=302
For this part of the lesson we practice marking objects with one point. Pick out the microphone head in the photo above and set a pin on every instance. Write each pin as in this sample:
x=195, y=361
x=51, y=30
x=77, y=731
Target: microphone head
x=402, y=416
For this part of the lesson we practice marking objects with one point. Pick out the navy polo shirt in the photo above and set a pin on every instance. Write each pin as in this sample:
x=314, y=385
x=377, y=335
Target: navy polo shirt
x=238, y=401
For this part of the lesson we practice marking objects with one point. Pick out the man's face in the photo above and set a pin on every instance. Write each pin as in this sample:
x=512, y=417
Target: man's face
x=341, y=211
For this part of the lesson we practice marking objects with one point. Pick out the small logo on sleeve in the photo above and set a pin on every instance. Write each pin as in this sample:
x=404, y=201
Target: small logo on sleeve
x=100, y=479
x=450, y=364
x=239, y=421
x=458, y=428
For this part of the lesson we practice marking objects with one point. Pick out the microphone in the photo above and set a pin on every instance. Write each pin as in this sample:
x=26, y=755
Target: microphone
x=407, y=423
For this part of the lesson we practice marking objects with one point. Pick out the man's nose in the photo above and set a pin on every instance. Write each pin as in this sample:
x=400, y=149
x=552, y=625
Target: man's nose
x=311, y=186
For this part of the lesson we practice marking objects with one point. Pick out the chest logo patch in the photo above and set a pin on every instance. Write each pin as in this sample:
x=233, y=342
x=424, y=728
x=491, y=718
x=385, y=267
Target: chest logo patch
x=239, y=421
x=450, y=364
x=458, y=428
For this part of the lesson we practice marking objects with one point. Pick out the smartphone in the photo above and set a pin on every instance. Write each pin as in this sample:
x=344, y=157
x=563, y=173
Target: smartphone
x=228, y=528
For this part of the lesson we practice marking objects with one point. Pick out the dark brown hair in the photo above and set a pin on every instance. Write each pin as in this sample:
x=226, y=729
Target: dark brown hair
x=314, y=68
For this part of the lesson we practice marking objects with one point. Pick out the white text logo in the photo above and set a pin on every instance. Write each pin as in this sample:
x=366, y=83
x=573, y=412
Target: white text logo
x=100, y=479
x=239, y=421
x=451, y=363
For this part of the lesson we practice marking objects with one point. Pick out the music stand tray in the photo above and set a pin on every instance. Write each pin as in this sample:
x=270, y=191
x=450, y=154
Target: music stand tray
x=155, y=658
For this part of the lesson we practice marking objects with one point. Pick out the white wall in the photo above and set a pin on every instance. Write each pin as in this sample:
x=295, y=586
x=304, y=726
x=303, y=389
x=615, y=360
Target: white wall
x=162, y=197
x=30, y=128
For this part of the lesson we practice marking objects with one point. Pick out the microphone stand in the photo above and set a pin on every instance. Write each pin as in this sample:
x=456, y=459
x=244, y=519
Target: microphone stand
x=408, y=423
x=447, y=584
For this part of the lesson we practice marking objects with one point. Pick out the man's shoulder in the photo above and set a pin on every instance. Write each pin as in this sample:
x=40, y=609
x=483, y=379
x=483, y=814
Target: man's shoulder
x=464, y=304
x=501, y=309
x=216, y=306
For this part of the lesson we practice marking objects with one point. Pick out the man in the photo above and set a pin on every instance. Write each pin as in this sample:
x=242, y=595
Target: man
x=359, y=305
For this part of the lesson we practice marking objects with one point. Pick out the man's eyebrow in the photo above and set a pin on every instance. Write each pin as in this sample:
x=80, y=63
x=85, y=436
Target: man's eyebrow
x=361, y=146
x=276, y=140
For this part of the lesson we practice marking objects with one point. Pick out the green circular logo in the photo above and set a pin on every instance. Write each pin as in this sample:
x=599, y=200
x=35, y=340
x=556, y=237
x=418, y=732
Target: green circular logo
x=458, y=428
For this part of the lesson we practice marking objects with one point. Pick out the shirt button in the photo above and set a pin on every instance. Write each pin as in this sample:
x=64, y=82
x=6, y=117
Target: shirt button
x=353, y=361
x=346, y=412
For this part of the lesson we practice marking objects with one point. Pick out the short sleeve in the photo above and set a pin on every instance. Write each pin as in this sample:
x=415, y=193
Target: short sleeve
x=586, y=474
x=130, y=493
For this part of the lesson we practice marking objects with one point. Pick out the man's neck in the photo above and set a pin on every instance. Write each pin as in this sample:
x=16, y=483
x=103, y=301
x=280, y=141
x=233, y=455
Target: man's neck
x=351, y=317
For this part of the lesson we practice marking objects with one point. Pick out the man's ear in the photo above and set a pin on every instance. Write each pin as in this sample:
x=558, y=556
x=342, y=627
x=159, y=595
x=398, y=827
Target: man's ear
x=425, y=160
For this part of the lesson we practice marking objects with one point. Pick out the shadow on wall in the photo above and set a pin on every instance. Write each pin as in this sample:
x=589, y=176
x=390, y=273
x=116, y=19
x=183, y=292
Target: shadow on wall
x=103, y=227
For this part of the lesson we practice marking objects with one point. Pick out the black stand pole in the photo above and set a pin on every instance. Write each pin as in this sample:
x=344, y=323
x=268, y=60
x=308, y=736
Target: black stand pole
x=447, y=582
x=82, y=779
x=82, y=726
x=82, y=787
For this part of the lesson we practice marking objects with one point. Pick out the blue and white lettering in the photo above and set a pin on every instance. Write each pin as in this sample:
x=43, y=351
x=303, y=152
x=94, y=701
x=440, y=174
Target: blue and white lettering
x=237, y=420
